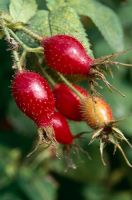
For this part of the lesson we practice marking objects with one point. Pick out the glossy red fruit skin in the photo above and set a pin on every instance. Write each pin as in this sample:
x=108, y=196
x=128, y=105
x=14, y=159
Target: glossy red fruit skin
x=62, y=131
x=66, y=54
x=67, y=102
x=33, y=96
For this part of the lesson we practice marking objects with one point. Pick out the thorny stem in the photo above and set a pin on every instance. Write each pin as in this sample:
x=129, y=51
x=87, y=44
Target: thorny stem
x=70, y=85
x=10, y=40
x=31, y=33
x=20, y=26
x=28, y=49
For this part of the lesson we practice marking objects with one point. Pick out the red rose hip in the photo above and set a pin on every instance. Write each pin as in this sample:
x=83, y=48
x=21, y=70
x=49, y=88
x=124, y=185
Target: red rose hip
x=66, y=55
x=62, y=131
x=64, y=136
x=67, y=102
x=33, y=96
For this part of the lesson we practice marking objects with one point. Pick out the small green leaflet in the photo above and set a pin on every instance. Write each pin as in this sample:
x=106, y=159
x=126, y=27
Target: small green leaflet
x=39, y=24
x=104, y=18
x=22, y=10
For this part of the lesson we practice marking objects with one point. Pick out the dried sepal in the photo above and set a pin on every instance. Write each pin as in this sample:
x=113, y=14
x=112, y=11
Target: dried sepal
x=46, y=138
x=114, y=136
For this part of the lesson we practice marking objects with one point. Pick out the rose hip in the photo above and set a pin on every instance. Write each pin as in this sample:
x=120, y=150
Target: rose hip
x=62, y=131
x=66, y=55
x=98, y=114
x=67, y=102
x=33, y=96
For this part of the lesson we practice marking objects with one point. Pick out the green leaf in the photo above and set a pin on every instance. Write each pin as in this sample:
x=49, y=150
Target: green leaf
x=54, y=4
x=39, y=24
x=104, y=18
x=22, y=10
x=65, y=21
x=56, y=22
x=4, y=5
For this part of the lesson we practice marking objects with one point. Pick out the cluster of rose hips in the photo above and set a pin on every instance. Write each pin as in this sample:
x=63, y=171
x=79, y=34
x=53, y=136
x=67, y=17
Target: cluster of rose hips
x=50, y=108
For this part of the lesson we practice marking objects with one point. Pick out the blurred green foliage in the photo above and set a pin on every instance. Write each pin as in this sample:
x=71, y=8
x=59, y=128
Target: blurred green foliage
x=43, y=176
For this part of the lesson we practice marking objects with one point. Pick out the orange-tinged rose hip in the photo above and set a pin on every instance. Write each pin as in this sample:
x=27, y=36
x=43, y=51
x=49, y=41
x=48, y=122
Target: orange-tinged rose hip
x=96, y=112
